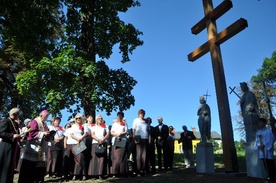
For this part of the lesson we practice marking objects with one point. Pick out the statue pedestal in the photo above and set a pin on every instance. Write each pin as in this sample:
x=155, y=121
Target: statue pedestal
x=254, y=166
x=205, y=158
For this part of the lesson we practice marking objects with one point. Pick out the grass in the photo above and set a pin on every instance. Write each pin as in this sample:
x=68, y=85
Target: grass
x=179, y=174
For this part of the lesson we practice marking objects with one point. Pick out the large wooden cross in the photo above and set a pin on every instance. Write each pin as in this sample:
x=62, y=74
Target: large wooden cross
x=213, y=46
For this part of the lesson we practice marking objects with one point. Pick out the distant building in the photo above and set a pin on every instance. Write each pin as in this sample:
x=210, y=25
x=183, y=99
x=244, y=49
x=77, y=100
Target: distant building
x=178, y=146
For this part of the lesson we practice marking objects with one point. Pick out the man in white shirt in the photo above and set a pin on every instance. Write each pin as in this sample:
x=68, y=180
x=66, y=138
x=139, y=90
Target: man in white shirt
x=264, y=143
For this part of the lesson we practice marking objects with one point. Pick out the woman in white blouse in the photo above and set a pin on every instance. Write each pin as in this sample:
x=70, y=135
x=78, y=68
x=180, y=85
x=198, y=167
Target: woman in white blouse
x=141, y=134
x=119, y=130
x=74, y=136
x=99, y=133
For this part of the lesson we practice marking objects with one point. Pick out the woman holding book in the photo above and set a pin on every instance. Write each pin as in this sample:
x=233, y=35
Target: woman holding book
x=100, y=134
x=74, y=138
x=119, y=130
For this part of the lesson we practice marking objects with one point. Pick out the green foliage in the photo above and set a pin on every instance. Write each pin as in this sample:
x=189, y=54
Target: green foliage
x=267, y=71
x=95, y=27
x=216, y=145
x=240, y=146
x=59, y=47
x=28, y=30
x=266, y=75
x=32, y=27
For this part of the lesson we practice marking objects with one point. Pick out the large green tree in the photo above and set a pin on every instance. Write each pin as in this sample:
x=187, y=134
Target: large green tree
x=28, y=30
x=75, y=75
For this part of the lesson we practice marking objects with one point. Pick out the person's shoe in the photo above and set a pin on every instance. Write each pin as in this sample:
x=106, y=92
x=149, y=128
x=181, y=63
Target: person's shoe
x=74, y=178
x=100, y=177
x=84, y=178
x=47, y=176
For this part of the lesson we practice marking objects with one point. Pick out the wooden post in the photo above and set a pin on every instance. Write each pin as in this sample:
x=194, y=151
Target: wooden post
x=213, y=45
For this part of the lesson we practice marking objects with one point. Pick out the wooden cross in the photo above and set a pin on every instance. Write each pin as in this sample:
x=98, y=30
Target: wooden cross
x=233, y=91
x=206, y=95
x=213, y=46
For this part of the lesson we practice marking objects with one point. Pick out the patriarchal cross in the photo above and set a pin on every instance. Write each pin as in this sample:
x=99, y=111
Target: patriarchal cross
x=213, y=46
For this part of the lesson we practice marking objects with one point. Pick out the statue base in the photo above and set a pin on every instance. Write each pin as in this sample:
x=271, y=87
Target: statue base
x=254, y=166
x=205, y=158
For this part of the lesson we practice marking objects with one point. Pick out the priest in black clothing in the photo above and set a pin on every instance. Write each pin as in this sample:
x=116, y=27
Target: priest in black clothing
x=9, y=148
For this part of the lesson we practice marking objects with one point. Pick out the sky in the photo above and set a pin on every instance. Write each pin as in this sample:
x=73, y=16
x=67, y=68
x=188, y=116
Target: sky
x=169, y=86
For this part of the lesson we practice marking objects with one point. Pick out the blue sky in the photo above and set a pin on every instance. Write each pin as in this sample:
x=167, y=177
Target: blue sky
x=168, y=84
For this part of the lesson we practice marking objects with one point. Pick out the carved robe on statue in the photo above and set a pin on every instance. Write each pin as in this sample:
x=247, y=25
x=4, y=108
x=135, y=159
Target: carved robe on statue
x=250, y=113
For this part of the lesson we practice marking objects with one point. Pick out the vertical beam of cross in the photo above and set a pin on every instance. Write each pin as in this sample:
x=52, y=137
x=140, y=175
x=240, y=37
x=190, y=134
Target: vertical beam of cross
x=229, y=151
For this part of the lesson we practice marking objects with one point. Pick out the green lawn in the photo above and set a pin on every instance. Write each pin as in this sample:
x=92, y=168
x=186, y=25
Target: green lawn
x=218, y=160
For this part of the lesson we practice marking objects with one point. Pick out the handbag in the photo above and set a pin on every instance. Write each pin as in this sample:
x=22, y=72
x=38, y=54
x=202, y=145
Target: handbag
x=120, y=143
x=100, y=149
x=79, y=148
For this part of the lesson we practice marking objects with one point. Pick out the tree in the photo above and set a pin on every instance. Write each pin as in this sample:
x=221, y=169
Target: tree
x=267, y=71
x=72, y=78
x=24, y=36
x=267, y=75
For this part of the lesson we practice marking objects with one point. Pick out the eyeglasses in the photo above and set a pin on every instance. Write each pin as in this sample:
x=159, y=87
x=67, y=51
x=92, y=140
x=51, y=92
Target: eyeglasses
x=78, y=118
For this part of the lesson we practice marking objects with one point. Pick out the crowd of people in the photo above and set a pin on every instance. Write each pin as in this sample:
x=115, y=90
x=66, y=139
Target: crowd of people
x=85, y=148
x=89, y=149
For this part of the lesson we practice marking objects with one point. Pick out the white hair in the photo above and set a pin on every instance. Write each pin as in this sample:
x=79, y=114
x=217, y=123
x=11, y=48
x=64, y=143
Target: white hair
x=14, y=111
x=78, y=116
x=27, y=121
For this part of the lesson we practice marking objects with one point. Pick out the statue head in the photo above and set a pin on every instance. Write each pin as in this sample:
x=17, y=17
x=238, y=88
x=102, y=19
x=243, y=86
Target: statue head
x=202, y=100
x=244, y=86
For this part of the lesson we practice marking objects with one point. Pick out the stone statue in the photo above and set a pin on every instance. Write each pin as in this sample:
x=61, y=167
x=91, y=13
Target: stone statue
x=250, y=113
x=204, y=120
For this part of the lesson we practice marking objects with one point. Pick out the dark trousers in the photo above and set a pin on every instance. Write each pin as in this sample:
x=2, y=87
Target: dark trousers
x=170, y=155
x=29, y=173
x=57, y=161
x=151, y=159
x=270, y=168
x=68, y=161
x=161, y=151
